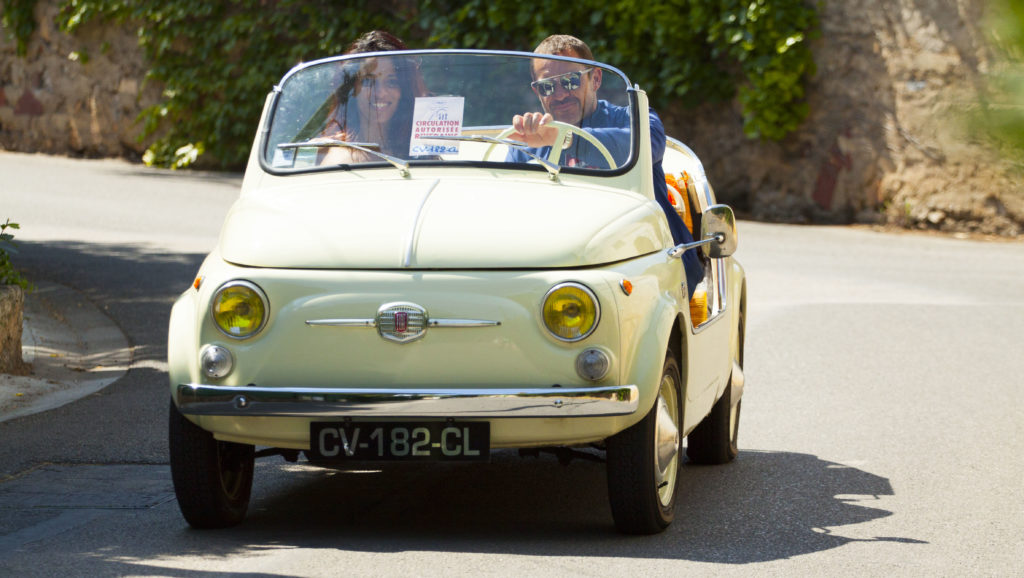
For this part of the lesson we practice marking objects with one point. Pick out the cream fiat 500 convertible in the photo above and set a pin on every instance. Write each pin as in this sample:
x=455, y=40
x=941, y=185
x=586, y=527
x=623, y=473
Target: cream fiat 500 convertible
x=404, y=279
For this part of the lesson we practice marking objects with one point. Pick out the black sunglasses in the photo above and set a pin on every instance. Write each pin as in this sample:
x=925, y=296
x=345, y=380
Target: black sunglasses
x=570, y=81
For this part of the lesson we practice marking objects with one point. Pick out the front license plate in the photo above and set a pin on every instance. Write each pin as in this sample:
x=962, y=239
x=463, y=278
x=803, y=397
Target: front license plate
x=394, y=441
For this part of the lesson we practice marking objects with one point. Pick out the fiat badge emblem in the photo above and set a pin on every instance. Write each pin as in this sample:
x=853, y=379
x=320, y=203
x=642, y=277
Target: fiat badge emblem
x=401, y=322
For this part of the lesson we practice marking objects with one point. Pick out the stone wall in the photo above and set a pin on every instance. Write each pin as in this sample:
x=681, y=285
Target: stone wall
x=885, y=141
x=887, y=138
x=73, y=96
x=12, y=301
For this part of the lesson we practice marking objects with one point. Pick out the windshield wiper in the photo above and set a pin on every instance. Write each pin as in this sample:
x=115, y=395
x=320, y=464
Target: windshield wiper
x=552, y=168
x=366, y=147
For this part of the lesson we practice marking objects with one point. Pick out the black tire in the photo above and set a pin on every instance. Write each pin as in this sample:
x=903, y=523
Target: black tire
x=642, y=494
x=212, y=479
x=714, y=440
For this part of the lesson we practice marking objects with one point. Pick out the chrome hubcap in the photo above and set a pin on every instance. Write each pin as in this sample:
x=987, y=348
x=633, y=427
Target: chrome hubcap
x=738, y=379
x=668, y=437
x=734, y=417
x=666, y=440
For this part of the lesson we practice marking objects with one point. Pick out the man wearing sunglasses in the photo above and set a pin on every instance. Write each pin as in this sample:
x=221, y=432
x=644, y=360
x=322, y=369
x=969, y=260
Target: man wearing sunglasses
x=568, y=93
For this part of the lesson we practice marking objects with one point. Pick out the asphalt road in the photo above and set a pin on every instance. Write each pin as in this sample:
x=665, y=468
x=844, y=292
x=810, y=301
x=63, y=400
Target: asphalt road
x=881, y=430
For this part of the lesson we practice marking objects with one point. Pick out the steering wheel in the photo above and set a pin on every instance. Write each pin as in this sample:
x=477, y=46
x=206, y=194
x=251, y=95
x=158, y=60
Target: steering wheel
x=556, y=149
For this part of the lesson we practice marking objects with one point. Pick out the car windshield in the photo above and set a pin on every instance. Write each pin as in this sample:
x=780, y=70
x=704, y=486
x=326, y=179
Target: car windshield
x=443, y=107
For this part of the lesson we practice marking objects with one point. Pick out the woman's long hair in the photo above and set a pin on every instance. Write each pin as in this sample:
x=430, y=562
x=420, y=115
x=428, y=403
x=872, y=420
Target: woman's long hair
x=399, y=128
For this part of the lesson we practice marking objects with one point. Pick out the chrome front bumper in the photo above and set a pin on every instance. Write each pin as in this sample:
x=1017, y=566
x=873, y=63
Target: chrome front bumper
x=198, y=399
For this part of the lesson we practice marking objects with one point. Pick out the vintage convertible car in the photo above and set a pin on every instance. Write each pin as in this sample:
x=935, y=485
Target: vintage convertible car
x=402, y=279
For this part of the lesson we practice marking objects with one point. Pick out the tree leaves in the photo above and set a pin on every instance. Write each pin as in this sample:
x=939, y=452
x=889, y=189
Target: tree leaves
x=8, y=274
x=217, y=60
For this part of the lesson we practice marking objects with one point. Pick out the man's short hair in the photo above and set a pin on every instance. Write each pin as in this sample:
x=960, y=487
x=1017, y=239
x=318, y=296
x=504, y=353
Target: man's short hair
x=559, y=44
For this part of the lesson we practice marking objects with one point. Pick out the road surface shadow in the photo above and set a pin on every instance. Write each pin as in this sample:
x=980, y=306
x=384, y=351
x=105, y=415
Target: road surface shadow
x=134, y=286
x=765, y=506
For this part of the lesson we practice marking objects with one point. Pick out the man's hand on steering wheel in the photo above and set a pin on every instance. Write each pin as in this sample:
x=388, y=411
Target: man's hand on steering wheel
x=532, y=128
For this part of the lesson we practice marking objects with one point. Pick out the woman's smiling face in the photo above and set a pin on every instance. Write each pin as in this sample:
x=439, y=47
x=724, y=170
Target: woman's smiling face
x=378, y=92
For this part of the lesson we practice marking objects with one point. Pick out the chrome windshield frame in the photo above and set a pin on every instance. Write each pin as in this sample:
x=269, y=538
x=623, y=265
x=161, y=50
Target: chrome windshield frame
x=342, y=57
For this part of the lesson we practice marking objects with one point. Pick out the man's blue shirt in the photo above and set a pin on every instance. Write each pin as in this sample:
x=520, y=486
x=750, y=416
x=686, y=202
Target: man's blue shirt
x=610, y=124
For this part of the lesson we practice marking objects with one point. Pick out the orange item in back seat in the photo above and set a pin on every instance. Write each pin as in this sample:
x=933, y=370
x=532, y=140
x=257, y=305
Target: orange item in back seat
x=699, y=306
x=677, y=196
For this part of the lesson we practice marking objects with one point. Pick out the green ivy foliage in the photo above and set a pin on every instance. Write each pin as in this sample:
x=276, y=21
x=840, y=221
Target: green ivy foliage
x=19, y=20
x=686, y=51
x=769, y=41
x=217, y=60
x=8, y=274
x=1001, y=115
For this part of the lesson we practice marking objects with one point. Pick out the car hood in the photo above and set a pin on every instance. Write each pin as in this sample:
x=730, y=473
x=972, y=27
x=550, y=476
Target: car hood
x=439, y=224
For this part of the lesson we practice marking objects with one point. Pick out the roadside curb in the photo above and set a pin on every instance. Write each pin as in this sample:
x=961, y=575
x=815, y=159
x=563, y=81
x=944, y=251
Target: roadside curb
x=74, y=348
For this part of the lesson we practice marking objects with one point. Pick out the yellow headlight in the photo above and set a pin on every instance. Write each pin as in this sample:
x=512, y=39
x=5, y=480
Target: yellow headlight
x=239, y=309
x=571, y=311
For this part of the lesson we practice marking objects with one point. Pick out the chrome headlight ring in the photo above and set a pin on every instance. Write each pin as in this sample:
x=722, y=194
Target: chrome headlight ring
x=255, y=289
x=588, y=293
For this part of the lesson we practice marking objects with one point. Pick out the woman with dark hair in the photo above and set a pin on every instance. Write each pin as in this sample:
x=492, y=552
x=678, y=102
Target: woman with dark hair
x=374, y=102
x=376, y=41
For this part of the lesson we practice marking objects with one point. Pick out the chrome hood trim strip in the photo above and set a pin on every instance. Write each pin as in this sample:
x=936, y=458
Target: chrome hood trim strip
x=200, y=399
x=462, y=323
x=341, y=322
x=430, y=323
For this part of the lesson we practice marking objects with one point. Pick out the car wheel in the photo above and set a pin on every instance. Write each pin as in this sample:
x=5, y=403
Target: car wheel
x=643, y=462
x=714, y=440
x=212, y=479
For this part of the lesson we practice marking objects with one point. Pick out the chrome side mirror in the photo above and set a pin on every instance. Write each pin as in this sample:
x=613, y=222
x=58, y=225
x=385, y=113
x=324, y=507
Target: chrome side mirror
x=717, y=232
x=719, y=223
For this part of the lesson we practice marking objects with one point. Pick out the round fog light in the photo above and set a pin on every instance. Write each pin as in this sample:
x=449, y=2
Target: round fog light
x=216, y=361
x=592, y=364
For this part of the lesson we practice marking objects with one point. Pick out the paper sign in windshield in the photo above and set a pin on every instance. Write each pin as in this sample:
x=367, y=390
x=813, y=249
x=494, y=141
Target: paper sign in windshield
x=433, y=117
